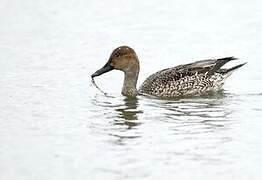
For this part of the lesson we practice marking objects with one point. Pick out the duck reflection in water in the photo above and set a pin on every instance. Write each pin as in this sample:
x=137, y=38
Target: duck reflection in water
x=126, y=121
x=128, y=113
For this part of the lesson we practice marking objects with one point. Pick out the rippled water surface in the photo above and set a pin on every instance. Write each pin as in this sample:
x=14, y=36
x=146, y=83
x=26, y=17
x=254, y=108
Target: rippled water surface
x=55, y=125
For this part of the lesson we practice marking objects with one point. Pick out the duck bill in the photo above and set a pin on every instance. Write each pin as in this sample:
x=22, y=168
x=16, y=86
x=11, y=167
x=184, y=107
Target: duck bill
x=107, y=67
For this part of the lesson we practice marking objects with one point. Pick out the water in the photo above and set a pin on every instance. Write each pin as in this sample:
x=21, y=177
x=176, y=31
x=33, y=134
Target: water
x=55, y=125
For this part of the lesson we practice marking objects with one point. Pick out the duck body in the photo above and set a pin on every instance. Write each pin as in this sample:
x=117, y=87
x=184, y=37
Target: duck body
x=190, y=79
x=195, y=78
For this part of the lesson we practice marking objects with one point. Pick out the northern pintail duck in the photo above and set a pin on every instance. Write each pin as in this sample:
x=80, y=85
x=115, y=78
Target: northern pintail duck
x=188, y=79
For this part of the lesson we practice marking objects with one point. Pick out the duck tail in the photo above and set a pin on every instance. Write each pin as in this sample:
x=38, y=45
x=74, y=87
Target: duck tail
x=219, y=63
x=228, y=72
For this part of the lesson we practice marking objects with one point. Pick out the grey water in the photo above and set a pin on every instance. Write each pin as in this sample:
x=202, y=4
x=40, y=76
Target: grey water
x=55, y=125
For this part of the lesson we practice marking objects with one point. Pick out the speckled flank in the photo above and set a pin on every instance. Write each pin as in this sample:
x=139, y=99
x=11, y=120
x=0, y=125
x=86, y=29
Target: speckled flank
x=188, y=85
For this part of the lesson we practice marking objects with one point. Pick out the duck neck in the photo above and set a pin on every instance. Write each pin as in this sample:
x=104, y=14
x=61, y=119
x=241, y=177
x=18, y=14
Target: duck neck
x=130, y=81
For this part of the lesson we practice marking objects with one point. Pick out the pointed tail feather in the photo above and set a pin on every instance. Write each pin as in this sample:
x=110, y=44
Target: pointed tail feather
x=219, y=63
x=229, y=71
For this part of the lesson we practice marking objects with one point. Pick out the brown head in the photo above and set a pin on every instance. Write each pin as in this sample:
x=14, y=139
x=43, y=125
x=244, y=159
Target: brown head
x=124, y=59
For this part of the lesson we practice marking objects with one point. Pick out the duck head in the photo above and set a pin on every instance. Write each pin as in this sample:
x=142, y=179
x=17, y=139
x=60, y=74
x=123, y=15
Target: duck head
x=124, y=59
